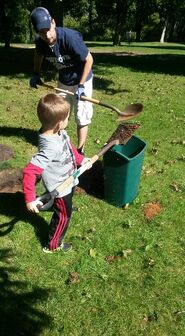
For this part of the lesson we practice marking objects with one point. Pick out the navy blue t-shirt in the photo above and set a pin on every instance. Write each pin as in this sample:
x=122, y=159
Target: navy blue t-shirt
x=67, y=55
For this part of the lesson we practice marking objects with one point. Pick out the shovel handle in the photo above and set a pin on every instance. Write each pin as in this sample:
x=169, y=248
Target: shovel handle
x=91, y=100
x=86, y=166
x=49, y=197
x=130, y=111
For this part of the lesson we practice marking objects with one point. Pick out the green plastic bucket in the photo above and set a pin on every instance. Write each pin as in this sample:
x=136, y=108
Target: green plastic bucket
x=122, y=171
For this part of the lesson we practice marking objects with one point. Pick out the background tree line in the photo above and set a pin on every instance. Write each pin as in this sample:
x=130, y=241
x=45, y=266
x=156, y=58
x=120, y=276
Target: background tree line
x=150, y=20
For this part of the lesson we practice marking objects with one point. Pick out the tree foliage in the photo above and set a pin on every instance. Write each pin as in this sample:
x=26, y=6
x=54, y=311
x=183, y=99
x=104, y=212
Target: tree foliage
x=98, y=20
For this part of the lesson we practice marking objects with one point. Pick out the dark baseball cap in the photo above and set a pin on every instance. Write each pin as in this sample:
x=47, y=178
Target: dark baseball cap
x=41, y=19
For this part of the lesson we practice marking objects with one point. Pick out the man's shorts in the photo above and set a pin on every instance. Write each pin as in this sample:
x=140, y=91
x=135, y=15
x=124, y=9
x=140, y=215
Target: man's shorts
x=83, y=110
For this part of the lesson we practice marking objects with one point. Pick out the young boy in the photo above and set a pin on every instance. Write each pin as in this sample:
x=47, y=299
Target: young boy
x=55, y=160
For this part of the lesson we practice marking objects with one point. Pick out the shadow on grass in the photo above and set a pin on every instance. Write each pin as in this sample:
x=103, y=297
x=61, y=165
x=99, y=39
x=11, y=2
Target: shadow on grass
x=164, y=64
x=13, y=205
x=16, y=61
x=17, y=311
x=28, y=134
x=92, y=181
x=100, y=83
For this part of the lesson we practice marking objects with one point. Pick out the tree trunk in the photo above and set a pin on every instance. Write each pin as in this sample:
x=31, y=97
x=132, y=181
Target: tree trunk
x=121, y=13
x=138, y=32
x=171, y=33
x=162, y=39
x=4, y=26
x=91, y=4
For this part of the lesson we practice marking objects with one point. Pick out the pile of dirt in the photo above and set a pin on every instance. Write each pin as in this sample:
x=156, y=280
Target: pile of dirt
x=152, y=209
x=124, y=132
x=90, y=182
x=10, y=180
x=6, y=153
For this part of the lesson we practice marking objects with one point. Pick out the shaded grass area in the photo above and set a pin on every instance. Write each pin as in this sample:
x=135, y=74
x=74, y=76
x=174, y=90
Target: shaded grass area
x=125, y=274
x=163, y=61
x=19, y=314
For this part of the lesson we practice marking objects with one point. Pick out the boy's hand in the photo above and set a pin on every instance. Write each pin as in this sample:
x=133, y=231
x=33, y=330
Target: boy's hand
x=88, y=162
x=34, y=206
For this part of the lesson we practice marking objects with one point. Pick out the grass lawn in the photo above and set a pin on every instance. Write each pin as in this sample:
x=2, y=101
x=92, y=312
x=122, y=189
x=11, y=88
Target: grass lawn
x=125, y=275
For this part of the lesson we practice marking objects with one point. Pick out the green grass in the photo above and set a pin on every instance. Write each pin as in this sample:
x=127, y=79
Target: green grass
x=141, y=291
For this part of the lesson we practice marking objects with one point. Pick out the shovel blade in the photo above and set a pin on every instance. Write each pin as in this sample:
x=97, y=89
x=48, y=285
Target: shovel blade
x=130, y=111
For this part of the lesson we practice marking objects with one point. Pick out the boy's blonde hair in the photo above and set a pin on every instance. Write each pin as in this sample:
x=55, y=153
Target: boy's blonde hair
x=52, y=109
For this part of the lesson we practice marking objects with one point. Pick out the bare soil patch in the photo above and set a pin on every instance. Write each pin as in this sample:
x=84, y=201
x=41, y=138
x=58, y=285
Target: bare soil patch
x=6, y=153
x=10, y=180
x=152, y=209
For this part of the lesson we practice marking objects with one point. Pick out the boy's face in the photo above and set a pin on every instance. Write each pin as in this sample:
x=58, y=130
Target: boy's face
x=49, y=35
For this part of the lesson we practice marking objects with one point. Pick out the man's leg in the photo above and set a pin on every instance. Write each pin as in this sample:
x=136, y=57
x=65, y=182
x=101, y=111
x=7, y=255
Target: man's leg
x=83, y=110
x=83, y=115
x=82, y=132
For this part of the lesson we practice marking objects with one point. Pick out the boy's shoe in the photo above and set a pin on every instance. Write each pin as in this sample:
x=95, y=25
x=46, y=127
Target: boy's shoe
x=47, y=250
x=63, y=247
x=74, y=209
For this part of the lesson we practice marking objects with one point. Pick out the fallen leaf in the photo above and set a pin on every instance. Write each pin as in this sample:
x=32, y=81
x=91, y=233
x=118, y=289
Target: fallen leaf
x=111, y=258
x=151, y=262
x=74, y=278
x=175, y=187
x=178, y=142
x=151, y=317
x=182, y=157
x=154, y=150
x=170, y=162
x=149, y=247
x=127, y=225
x=104, y=276
x=97, y=141
x=126, y=253
x=92, y=253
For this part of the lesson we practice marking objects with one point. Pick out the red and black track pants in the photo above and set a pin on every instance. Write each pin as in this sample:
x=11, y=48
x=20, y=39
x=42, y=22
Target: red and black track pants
x=62, y=208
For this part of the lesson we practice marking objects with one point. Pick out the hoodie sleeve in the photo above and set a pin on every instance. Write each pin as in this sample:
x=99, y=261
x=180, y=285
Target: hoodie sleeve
x=30, y=173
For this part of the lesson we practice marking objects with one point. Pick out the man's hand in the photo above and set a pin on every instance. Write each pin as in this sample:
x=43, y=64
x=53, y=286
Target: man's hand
x=80, y=92
x=34, y=206
x=35, y=80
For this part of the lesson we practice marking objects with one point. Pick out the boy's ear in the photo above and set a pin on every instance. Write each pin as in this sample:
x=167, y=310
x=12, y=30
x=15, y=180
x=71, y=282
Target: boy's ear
x=57, y=127
x=61, y=124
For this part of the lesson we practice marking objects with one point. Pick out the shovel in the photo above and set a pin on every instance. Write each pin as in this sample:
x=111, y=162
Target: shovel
x=129, y=112
x=121, y=136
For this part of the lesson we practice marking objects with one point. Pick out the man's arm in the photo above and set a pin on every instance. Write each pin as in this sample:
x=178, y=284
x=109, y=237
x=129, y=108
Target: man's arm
x=36, y=80
x=87, y=68
x=38, y=59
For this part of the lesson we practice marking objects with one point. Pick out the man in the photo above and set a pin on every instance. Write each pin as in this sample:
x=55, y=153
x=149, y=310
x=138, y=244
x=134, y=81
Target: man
x=66, y=50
